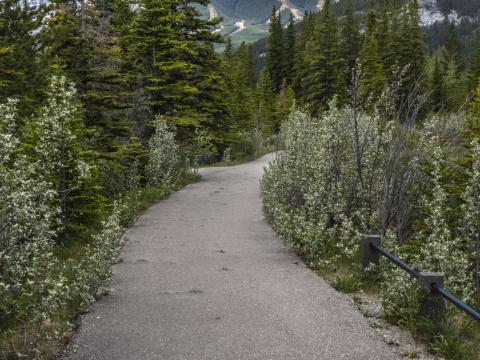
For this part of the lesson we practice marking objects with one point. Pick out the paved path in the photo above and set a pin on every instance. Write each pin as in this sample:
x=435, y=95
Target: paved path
x=204, y=277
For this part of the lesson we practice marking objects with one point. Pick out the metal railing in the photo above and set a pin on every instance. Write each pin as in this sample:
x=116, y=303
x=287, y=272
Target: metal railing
x=433, y=283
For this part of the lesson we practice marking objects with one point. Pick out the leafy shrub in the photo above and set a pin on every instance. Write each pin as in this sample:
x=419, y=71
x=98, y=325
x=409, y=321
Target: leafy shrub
x=164, y=161
x=32, y=289
x=249, y=145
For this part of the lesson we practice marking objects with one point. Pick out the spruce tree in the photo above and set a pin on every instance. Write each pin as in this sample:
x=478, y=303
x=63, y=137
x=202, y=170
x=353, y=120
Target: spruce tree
x=228, y=52
x=373, y=79
x=350, y=42
x=241, y=87
x=267, y=119
x=412, y=50
x=452, y=51
x=438, y=96
x=104, y=99
x=300, y=67
x=475, y=65
x=170, y=46
x=322, y=59
x=390, y=40
x=66, y=41
x=275, y=63
x=290, y=51
x=21, y=76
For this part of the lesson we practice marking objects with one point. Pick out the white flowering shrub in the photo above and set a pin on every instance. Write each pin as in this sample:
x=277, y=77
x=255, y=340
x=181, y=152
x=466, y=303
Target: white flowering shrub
x=164, y=161
x=36, y=287
x=32, y=287
x=400, y=292
x=471, y=212
x=202, y=150
x=325, y=187
x=95, y=269
x=441, y=249
x=59, y=150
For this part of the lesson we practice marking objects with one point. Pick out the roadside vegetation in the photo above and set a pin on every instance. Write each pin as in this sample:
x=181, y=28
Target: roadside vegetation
x=382, y=140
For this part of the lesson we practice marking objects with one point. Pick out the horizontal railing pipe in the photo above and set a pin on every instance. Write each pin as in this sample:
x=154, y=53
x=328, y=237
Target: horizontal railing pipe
x=397, y=261
x=459, y=304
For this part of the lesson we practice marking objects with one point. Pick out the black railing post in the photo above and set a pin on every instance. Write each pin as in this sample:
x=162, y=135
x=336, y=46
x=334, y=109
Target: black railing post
x=433, y=304
x=368, y=253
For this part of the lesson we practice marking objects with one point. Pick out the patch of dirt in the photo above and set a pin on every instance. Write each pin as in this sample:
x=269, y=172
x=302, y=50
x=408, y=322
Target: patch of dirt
x=372, y=310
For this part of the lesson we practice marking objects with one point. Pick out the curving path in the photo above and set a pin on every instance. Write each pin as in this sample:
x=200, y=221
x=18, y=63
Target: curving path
x=204, y=277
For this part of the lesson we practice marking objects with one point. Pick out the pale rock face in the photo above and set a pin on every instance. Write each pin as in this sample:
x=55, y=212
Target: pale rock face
x=241, y=25
x=295, y=11
x=429, y=12
x=212, y=11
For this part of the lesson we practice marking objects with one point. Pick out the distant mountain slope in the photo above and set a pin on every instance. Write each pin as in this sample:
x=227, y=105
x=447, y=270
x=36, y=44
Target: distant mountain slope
x=247, y=19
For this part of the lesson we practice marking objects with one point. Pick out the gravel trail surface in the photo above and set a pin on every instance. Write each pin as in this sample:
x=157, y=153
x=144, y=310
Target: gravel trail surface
x=204, y=277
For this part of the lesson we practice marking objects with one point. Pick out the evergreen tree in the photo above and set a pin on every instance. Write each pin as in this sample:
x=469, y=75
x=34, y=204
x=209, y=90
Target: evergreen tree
x=475, y=66
x=290, y=51
x=20, y=74
x=390, y=39
x=373, y=79
x=452, y=51
x=267, y=119
x=275, y=63
x=438, y=96
x=171, y=47
x=350, y=42
x=66, y=41
x=285, y=101
x=412, y=50
x=228, y=52
x=300, y=67
x=322, y=59
x=104, y=99
x=241, y=87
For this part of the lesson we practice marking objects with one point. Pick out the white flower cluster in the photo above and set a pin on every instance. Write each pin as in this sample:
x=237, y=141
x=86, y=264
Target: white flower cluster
x=164, y=161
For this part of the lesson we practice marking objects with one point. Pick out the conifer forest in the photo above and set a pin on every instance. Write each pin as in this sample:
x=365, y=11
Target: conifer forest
x=109, y=106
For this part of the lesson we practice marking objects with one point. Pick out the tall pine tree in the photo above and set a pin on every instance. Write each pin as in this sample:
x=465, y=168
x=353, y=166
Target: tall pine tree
x=324, y=79
x=290, y=51
x=170, y=46
x=275, y=65
x=350, y=42
x=20, y=73
x=373, y=79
